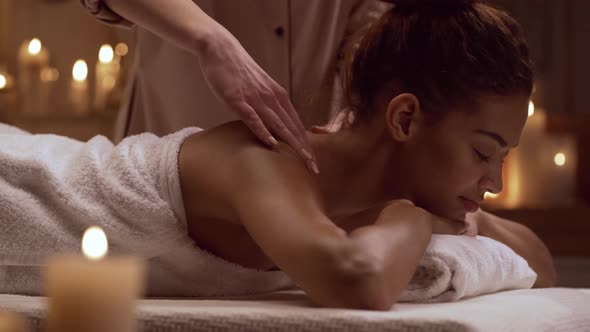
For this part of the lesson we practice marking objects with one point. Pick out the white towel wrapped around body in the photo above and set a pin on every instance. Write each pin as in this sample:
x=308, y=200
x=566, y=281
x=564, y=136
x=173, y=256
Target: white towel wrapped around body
x=52, y=188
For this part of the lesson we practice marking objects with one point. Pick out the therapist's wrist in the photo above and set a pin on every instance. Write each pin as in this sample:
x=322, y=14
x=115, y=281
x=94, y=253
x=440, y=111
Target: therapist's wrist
x=207, y=36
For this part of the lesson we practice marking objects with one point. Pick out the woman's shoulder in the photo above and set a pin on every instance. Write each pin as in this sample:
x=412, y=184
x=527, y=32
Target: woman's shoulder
x=228, y=161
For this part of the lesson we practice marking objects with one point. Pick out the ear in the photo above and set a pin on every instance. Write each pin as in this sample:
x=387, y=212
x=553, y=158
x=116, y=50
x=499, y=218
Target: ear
x=403, y=117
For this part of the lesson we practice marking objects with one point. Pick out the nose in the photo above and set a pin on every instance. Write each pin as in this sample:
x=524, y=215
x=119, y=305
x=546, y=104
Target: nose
x=492, y=180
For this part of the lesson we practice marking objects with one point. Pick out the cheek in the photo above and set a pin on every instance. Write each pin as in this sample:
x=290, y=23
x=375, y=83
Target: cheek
x=449, y=171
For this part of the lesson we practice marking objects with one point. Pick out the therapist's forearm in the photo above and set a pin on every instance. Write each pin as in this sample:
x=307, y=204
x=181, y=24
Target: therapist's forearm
x=179, y=21
x=524, y=242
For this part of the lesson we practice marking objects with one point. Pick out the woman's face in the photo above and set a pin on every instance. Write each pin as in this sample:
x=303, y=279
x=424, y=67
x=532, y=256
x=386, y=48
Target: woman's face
x=451, y=164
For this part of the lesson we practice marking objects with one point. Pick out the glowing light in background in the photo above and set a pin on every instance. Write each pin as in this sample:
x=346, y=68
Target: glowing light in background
x=34, y=46
x=531, y=108
x=489, y=195
x=49, y=75
x=559, y=159
x=121, y=49
x=94, y=243
x=80, y=70
x=106, y=54
x=2, y=81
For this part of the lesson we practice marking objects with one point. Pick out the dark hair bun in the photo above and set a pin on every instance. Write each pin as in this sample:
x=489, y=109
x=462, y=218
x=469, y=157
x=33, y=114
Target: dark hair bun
x=430, y=3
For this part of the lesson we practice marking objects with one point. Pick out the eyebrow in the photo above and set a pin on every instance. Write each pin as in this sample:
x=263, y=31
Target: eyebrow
x=493, y=135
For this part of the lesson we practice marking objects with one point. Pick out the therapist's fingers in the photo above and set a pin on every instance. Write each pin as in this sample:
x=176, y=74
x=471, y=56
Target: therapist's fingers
x=254, y=123
x=284, y=124
x=285, y=103
x=272, y=121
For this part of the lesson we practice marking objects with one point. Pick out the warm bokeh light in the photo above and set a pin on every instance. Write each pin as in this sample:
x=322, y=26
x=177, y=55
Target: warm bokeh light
x=80, y=70
x=49, y=75
x=94, y=243
x=531, y=108
x=105, y=55
x=34, y=46
x=109, y=82
x=559, y=159
x=2, y=81
x=489, y=195
x=121, y=49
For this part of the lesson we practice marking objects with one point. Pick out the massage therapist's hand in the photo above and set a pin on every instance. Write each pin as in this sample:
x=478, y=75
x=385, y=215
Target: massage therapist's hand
x=262, y=104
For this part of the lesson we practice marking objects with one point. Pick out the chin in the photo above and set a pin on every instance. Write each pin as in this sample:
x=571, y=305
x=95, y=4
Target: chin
x=450, y=211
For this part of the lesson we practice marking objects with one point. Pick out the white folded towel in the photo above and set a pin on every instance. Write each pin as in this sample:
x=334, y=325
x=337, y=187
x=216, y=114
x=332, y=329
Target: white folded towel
x=456, y=267
x=52, y=188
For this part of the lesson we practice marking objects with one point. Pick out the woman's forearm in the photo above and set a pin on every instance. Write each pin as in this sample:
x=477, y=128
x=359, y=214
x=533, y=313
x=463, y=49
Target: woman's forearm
x=524, y=242
x=397, y=240
x=180, y=21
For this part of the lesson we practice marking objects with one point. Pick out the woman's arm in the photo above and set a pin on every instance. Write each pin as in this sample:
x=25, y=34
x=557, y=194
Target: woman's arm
x=365, y=269
x=180, y=21
x=523, y=241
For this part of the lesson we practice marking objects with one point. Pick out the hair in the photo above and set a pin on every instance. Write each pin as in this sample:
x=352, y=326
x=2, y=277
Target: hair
x=445, y=52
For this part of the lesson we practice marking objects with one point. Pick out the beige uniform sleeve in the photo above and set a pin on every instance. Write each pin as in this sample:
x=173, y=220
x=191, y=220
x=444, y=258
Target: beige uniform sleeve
x=102, y=12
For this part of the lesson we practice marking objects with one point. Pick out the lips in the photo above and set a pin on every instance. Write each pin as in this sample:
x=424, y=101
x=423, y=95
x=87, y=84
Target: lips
x=469, y=205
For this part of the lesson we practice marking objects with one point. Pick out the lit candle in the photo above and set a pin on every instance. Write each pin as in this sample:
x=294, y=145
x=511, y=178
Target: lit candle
x=32, y=59
x=79, y=87
x=7, y=93
x=541, y=171
x=13, y=322
x=107, y=72
x=92, y=293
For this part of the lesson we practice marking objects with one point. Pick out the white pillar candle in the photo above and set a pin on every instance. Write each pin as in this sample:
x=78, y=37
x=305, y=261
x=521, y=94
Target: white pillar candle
x=79, y=97
x=539, y=181
x=13, y=322
x=32, y=59
x=92, y=293
x=7, y=93
x=107, y=73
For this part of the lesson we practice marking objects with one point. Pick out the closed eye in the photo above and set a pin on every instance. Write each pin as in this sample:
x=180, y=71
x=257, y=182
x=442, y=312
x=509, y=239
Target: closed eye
x=481, y=156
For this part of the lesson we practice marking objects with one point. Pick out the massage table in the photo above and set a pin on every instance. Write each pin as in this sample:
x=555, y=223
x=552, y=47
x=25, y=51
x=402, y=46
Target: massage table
x=551, y=309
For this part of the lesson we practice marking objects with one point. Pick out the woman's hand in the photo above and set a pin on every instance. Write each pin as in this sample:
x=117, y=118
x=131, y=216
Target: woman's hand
x=447, y=226
x=262, y=104
x=402, y=207
x=472, y=222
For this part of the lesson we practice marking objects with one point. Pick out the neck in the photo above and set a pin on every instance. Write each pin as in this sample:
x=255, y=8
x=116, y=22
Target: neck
x=355, y=167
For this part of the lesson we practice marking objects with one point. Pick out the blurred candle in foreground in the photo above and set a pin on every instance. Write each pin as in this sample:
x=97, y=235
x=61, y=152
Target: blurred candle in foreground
x=92, y=293
x=107, y=72
x=13, y=322
x=79, y=87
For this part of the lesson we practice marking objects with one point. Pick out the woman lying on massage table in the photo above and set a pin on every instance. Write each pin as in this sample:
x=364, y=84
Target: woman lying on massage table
x=440, y=90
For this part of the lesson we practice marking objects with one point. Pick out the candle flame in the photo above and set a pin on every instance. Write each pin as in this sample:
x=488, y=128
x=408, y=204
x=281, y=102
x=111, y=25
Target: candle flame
x=531, y=108
x=34, y=46
x=121, y=49
x=105, y=55
x=80, y=70
x=559, y=159
x=2, y=81
x=94, y=243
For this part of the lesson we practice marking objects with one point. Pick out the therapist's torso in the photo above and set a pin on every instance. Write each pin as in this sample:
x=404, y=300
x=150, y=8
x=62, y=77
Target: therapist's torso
x=296, y=42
